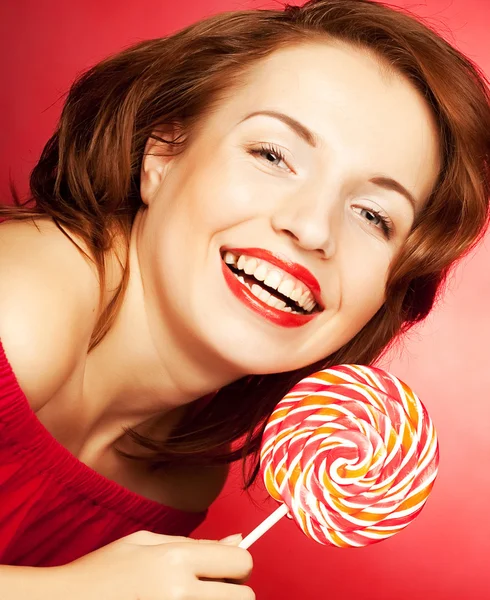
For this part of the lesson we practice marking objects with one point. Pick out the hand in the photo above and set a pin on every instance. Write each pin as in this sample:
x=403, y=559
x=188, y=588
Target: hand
x=149, y=566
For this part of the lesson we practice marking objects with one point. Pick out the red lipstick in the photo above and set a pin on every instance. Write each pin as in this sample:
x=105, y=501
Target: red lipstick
x=243, y=293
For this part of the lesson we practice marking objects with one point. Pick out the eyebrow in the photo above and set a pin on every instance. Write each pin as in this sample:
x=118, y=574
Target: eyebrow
x=391, y=184
x=308, y=136
x=311, y=139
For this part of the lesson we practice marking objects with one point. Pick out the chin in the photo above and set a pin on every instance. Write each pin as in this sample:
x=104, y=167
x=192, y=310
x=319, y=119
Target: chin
x=244, y=347
x=248, y=360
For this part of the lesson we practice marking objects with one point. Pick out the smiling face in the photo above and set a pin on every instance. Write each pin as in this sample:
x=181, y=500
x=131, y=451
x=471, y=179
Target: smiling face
x=267, y=243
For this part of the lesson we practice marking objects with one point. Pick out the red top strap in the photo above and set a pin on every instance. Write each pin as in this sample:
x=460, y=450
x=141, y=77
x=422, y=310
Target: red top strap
x=53, y=507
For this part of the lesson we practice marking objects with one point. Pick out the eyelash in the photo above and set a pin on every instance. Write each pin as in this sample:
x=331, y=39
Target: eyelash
x=386, y=225
x=265, y=149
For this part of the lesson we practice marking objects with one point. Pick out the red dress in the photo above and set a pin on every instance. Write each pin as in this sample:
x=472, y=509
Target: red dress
x=53, y=507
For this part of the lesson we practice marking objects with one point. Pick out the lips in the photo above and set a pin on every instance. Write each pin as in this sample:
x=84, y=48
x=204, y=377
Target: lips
x=280, y=290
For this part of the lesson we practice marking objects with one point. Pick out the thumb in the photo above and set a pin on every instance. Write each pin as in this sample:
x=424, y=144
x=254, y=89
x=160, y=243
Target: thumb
x=232, y=540
x=149, y=538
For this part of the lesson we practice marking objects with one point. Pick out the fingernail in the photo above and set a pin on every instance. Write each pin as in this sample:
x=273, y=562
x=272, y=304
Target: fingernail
x=232, y=539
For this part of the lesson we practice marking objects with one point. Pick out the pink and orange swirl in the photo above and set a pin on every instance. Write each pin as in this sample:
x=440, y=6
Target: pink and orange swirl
x=353, y=454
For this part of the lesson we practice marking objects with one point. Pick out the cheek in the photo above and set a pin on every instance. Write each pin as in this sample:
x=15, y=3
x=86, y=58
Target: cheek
x=363, y=285
x=219, y=197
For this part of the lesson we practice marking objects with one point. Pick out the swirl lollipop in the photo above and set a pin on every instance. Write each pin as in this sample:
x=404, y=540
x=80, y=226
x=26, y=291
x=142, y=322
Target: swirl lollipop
x=352, y=455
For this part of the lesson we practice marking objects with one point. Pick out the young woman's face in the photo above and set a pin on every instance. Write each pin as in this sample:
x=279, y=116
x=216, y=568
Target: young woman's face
x=267, y=243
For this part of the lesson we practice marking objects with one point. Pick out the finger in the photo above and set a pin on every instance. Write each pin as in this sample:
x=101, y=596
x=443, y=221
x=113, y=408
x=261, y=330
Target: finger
x=212, y=590
x=232, y=540
x=148, y=538
x=240, y=581
x=217, y=561
x=224, y=580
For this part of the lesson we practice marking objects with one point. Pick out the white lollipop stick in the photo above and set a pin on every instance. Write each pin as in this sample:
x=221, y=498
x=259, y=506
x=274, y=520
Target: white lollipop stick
x=259, y=531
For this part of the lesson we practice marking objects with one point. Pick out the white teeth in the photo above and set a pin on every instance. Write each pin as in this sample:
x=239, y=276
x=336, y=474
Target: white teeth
x=286, y=287
x=256, y=289
x=296, y=294
x=280, y=304
x=264, y=296
x=276, y=303
x=250, y=266
x=273, y=279
x=310, y=306
x=304, y=299
x=267, y=298
x=261, y=272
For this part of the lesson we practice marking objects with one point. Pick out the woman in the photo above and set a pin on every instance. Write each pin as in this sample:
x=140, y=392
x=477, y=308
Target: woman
x=261, y=195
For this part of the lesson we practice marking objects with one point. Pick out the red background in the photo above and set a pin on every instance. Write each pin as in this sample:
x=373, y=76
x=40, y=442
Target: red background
x=444, y=554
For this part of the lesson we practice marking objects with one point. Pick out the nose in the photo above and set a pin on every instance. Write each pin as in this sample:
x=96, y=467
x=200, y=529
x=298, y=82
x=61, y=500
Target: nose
x=310, y=220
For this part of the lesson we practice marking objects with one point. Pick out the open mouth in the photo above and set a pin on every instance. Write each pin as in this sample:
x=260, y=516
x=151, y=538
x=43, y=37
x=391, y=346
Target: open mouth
x=272, y=285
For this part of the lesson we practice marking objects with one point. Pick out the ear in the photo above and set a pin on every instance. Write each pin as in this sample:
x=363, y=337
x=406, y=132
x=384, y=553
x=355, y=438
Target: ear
x=160, y=150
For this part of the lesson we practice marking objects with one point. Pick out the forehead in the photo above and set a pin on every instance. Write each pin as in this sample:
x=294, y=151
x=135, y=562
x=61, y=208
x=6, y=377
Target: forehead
x=326, y=79
x=350, y=99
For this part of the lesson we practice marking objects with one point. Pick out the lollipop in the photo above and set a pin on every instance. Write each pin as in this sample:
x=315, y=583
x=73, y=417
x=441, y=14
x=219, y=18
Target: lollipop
x=352, y=455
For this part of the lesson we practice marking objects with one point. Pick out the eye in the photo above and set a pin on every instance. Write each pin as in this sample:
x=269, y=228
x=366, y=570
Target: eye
x=271, y=154
x=377, y=219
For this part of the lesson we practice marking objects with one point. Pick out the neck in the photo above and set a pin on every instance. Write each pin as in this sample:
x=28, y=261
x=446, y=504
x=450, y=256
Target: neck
x=143, y=368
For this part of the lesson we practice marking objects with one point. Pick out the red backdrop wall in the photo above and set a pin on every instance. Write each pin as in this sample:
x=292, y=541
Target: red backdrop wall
x=444, y=554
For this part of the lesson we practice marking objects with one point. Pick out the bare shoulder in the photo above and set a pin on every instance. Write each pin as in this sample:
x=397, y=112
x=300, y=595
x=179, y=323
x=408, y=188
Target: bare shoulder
x=48, y=305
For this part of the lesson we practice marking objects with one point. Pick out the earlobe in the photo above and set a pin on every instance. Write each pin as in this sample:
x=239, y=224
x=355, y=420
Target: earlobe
x=158, y=155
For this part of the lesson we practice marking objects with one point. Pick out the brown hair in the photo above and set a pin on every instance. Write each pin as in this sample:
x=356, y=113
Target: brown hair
x=87, y=179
